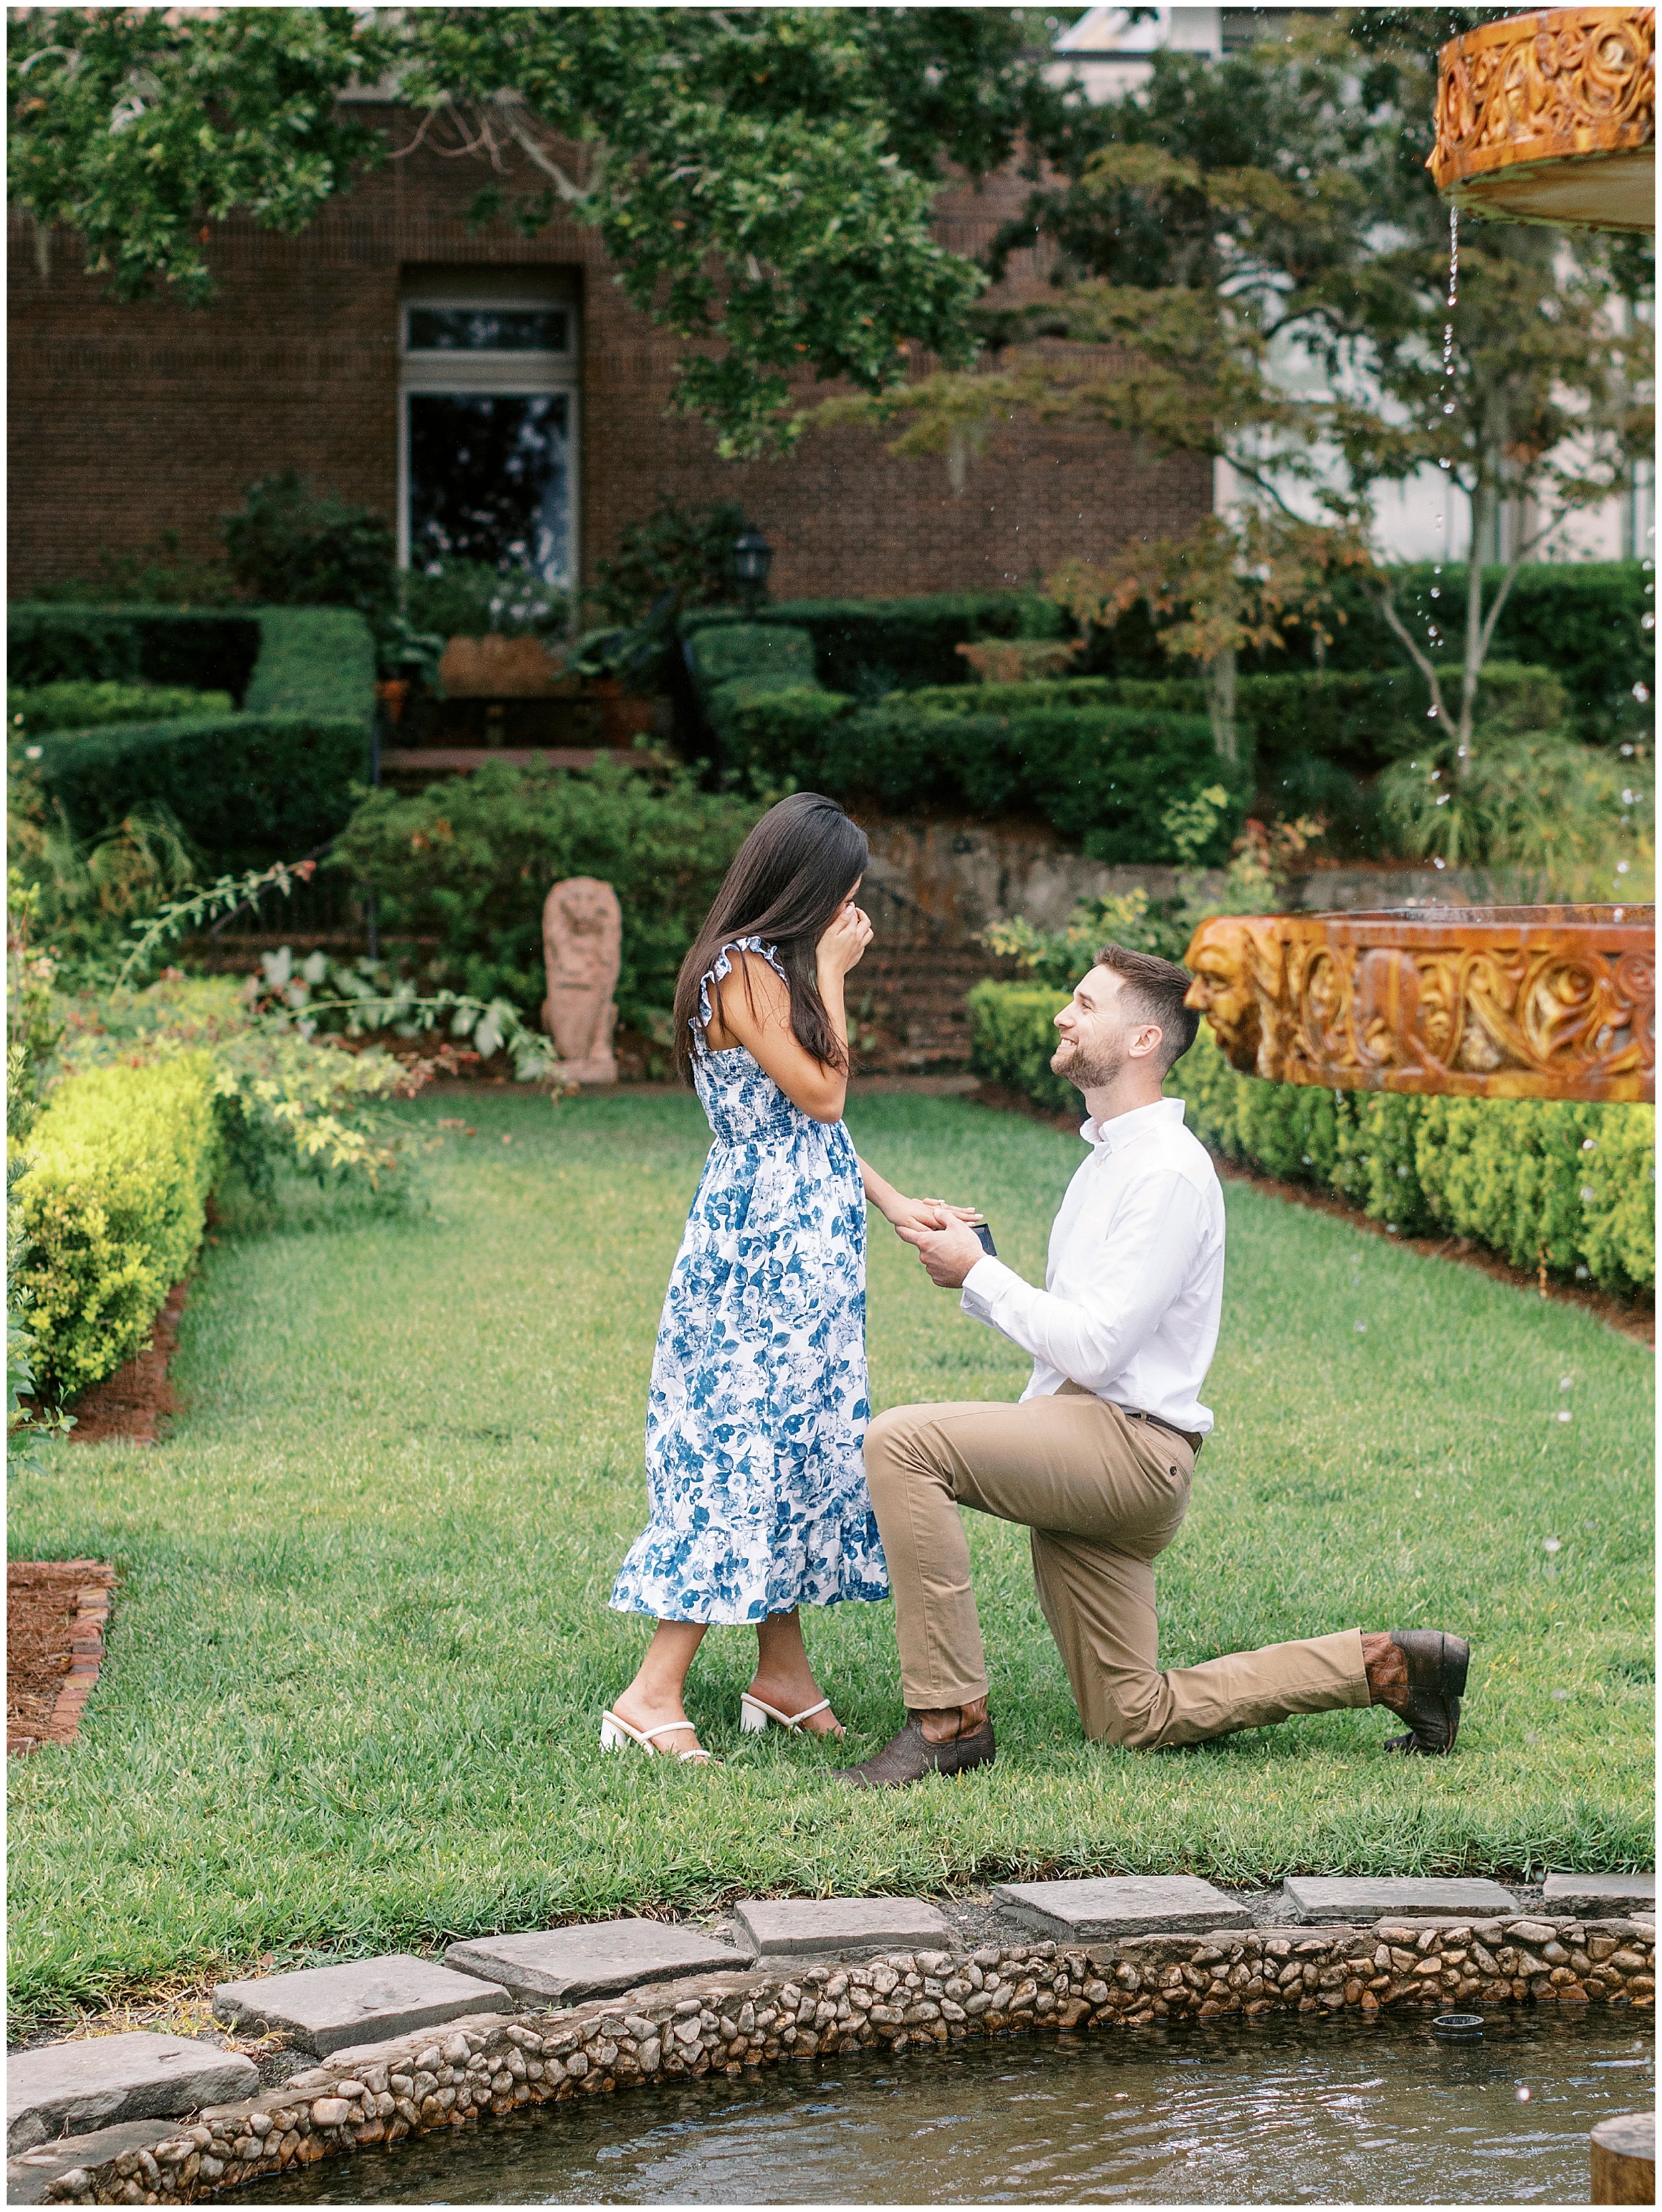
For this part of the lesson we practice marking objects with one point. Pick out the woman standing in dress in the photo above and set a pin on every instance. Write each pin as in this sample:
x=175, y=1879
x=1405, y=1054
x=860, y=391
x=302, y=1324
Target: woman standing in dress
x=758, y=1405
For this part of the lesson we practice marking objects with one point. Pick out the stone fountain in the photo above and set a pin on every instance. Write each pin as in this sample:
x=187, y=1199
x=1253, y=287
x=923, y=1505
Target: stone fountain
x=1546, y=118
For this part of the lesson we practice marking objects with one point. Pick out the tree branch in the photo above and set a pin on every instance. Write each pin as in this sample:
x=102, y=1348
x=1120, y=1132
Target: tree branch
x=528, y=146
x=1385, y=598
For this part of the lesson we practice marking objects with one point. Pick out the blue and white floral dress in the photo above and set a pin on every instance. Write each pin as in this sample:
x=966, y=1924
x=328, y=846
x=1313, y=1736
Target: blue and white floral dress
x=759, y=1404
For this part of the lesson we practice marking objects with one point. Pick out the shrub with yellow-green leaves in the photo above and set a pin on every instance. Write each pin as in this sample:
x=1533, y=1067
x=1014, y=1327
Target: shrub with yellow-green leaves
x=111, y=1207
x=1571, y=1185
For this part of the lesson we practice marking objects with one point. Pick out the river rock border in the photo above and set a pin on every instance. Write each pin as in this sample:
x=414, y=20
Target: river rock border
x=727, y=2023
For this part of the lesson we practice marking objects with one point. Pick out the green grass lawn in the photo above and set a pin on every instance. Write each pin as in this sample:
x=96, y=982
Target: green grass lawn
x=361, y=1641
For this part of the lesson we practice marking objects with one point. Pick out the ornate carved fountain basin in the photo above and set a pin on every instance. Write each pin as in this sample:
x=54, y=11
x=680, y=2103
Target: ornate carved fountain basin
x=1482, y=1002
x=1551, y=118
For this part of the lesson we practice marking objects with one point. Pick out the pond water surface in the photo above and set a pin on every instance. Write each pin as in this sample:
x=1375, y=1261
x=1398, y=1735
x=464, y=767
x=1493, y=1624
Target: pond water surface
x=1269, y=2112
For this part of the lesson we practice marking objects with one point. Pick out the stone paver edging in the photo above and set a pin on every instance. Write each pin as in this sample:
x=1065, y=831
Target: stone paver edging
x=729, y=2022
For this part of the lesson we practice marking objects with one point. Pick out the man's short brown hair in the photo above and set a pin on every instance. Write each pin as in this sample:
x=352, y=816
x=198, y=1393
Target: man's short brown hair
x=1154, y=991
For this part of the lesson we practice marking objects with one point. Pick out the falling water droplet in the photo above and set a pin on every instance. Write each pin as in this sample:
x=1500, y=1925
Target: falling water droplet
x=1444, y=462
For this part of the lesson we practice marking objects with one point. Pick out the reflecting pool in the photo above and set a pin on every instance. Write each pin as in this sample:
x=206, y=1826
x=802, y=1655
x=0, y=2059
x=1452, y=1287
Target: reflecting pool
x=1236, y=2112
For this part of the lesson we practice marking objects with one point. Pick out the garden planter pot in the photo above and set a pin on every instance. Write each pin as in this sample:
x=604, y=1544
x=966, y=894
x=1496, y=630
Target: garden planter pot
x=498, y=668
x=392, y=692
x=623, y=718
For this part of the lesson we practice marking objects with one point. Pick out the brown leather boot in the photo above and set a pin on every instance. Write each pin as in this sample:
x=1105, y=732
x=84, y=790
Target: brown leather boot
x=1437, y=1664
x=910, y=1755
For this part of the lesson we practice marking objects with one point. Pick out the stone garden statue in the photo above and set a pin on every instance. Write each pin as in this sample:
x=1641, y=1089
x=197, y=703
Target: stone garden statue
x=582, y=942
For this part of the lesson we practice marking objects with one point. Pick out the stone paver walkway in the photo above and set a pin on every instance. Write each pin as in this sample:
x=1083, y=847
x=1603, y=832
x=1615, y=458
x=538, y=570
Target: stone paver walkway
x=323, y=2009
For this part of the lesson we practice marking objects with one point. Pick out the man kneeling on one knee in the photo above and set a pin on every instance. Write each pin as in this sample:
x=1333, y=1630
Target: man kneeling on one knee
x=1097, y=1457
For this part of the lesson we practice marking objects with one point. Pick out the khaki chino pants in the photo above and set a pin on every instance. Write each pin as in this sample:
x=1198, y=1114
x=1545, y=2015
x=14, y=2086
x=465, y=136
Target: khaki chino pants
x=1102, y=1496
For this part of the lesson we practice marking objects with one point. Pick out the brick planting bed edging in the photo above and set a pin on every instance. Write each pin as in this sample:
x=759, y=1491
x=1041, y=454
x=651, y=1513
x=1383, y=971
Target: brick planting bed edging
x=728, y=2022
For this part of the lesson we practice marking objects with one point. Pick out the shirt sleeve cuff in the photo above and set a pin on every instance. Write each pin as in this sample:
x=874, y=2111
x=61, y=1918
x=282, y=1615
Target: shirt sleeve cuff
x=982, y=1285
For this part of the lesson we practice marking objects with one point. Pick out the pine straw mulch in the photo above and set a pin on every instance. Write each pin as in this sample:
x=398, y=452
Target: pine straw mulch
x=1627, y=1317
x=56, y=1610
x=130, y=1406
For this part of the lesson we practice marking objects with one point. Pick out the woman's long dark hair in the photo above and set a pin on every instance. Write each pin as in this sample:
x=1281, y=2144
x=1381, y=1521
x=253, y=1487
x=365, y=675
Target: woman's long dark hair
x=787, y=880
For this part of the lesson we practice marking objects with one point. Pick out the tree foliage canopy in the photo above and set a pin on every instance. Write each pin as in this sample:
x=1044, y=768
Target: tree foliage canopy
x=763, y=181
x=1251, y=263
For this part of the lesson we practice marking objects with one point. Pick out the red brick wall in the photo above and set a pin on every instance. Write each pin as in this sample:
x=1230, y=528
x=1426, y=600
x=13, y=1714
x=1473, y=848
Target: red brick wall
x=127, y=421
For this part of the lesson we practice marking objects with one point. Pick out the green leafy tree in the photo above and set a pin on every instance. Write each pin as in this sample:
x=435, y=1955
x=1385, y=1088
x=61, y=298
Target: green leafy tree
x=291, y=547
x=763, y=181
x=1528, y=381
x=1236, y=217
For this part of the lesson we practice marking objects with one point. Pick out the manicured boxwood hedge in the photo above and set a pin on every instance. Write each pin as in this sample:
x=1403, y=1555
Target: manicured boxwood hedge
x=273, y=780
x=206, y=650
x=111, y=1207
x=1100, y=774
x=1309, y=740
x=1573, y=1184
x=870, y=646
x=247, y=789
x=1582, y=619
x=79, y=704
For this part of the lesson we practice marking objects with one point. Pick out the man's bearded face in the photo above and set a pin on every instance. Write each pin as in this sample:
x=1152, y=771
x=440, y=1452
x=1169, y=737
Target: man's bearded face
x=1094, y=1031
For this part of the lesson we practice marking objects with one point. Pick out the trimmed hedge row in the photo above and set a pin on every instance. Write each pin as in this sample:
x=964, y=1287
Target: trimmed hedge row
x=246, y=789
x=1101, y=758
x=870, y=645
x=1098, y=770
x=270, y=781
x=1359, y=721
x=50, y=641
x=314, y=661
x=1530, y=1179
x=1101, y=773
x=1581, y=619
x=112, y=1206
x=80, y=704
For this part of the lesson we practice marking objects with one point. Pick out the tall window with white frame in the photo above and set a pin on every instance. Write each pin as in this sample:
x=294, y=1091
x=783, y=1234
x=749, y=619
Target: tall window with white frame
x=489, y=423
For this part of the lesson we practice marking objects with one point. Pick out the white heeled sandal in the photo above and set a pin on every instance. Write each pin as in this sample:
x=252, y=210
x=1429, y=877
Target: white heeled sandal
x=616, y=1732
x=753, y=1715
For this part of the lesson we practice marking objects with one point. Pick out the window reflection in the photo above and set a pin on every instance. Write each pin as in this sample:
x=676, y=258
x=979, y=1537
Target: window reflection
x=491, y=480
x=486, y=330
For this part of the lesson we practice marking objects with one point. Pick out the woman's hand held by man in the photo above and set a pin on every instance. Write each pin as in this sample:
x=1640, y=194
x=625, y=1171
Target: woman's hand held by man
x=927, y=1213
x=949, y=1253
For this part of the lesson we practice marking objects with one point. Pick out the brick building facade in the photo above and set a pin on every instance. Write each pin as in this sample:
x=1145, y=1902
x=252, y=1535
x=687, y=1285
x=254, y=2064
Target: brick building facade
x=128, y=421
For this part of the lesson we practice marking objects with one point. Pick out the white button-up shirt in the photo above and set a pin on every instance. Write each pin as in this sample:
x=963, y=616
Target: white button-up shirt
x=1134, y=1286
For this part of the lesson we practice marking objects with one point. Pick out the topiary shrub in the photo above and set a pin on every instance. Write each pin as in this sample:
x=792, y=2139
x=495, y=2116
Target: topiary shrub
x=244, y=789
x=272, y=782
x=734, y=663
x=1572, y=1185
x=1012, y=1029
x=87, y=706
x=111, y=1207
x=870, y=647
